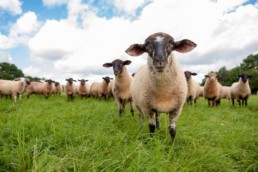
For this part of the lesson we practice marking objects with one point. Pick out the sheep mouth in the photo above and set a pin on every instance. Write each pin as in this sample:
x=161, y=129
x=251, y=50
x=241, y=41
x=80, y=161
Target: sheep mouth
x=160, y=69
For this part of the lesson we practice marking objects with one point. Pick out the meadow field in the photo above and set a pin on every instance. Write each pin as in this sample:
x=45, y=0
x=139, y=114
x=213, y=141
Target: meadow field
x=39, y=134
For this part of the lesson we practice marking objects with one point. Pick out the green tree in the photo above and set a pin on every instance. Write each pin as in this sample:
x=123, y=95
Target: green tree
x=251, y=62
x=9, y=71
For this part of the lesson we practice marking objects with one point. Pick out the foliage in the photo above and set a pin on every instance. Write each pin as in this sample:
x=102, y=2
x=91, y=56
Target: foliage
x=39, y=134
x=9, y=71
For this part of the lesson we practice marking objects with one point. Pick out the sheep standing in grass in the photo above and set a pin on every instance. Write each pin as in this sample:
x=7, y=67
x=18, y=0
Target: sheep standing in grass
x=160, y=85
x=83, y=89
x=14, y=88
x=44, y=87
x=201, y=91
x=70, y=88
x=241, y=90
x=100, y=89
x=121, y=85
x=224, y=93
x=212, y=89
x=57, y=88
x=193, y=88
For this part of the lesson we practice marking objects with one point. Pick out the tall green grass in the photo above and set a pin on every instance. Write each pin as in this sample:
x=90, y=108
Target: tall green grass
x=88, y=135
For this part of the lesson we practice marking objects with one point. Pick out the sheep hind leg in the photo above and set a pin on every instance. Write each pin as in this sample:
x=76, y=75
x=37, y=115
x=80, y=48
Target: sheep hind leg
x=157, y=118
x=121, y=107
x=152, y=125
x=131, y=106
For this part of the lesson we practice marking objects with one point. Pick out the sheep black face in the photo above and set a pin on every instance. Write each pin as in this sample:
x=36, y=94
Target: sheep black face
x=70, y=81
x=49, y=81
x=244, y=77
x=57, y=83
x=159, y=46
x=118, y=65
x=188, y=75
x=82, y=81
x=107, y=79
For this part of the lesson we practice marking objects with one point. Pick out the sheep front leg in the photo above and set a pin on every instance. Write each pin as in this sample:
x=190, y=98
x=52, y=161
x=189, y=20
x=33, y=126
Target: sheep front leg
x=173, y=115
x=152, y=125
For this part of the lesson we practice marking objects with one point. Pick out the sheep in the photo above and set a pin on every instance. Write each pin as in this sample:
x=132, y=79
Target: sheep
x=241, y=90
x=160, y=85
x=193, y=87
x=110, y=85
x=70, y=88
x=201, y=90
x=121, y=85
x=212, y=89
x=57, y=88
x=45, y=87
x=100, y=89
x=15, y=88
x=224, y=93
x=83, y=88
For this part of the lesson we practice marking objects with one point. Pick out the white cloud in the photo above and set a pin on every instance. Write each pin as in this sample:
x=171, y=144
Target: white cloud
x=51, y=3
x=4, y=57
x=79, y=49
x=129, y=7
x=13, y=6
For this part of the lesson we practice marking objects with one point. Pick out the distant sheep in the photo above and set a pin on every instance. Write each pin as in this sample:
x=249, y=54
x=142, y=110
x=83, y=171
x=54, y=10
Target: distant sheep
x=212, y=89
x=83, y=88
x=70, y=88
x=201, y=91
x=241, y=90
x=122, y=83
x=57, y=88
x=110, y=85
x=14, y=88
x=160, y=85
x=193, y=88
x=45, y=87
x=100, y=89
x=224, y=93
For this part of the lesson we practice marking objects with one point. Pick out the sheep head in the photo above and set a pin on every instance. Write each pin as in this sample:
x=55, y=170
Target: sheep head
x=159, y=47
x=188, y=75
x=82, y=81
x=212, y=77
x=244, y=77
x=118, y=65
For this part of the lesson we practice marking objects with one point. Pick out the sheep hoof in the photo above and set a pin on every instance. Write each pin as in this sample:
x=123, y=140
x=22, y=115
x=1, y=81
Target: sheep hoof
x=120, y=112
x=172, y=132
x=132, y=112
x=152, y=129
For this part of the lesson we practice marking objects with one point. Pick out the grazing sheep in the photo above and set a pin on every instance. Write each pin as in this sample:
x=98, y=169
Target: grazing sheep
x=83, y=89
x=36, y=87
x=160, y=85
x=57, y=88
x=241, y=90
x=212, y=89
x=70, y=88
x=14, y=88
x=193, y=88
x=100, y=89
x=122, y=83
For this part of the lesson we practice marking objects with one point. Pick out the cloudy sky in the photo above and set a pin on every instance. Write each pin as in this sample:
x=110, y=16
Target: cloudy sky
x=59, y=39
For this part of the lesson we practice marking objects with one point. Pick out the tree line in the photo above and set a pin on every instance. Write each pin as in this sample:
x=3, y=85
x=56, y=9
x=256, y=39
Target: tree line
x=227, y=76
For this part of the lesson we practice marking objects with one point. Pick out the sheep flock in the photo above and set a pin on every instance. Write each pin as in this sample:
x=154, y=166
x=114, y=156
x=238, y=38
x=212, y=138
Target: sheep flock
x=159, y=86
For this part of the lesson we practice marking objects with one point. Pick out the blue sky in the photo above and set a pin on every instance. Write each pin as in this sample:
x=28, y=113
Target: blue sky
x=47, y=36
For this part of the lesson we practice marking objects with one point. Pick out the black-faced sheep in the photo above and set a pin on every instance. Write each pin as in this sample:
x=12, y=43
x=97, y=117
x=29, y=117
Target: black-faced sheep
x=160, y=85
x=121, y=84
x=57, y=88
x=70, y=88
x=212, y=89
x=193, y=87
x=46, y=88
x=14, y=88
x=83, y=88
x=241, y=90
x=100, y=89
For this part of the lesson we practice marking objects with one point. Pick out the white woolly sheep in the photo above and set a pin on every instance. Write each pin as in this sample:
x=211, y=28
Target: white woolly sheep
x=224, y=93
x=14, y=88
x=121, y=85
x=193, y=87
x=83, y=88
x=212, y=89
x=100, y=89
x=46, y=88
x=160, y=85
x=70, y=88
x=241, y=90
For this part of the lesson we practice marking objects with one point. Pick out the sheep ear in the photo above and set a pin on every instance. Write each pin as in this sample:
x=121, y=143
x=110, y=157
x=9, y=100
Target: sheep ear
x=193, y=74
x=79, y=80
x=206, y=76
x=86, y=80
x=127, y=62
x=184, y=46
x=250, y=76
x=107, y=65
x=135, y=50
